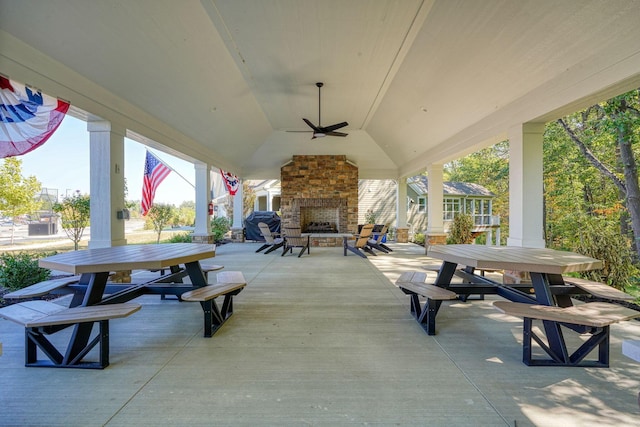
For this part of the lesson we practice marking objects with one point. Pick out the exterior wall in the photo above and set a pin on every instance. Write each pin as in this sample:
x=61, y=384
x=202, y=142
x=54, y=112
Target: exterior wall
x=322, y=178
x=379, y=195
x=418, y=220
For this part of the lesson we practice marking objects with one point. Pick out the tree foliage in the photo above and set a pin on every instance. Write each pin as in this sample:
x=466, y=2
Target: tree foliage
x=17, y=193
x=606, y=136
x=160, y=215
x=460, y=231
x=75, y=215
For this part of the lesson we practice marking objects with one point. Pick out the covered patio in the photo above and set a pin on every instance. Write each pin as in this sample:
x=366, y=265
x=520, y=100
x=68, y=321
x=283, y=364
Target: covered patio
x=226, y=84
x=319, y=340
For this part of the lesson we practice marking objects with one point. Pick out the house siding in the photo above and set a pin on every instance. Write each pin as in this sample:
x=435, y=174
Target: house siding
x=378, y=195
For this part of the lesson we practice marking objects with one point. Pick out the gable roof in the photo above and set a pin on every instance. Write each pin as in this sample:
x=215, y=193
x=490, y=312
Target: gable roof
x=419, y=184
x=419, y=81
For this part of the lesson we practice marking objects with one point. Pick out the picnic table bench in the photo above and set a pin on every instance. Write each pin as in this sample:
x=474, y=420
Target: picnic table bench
x=597, y=315
x=42, y=288
x=413, y=284
x=229, y=283
x=41, y=318
x=598, y=289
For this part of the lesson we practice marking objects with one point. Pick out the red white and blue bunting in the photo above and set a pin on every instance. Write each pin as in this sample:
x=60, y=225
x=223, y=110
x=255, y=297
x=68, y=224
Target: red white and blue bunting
x=231, y=182
x=27, y=117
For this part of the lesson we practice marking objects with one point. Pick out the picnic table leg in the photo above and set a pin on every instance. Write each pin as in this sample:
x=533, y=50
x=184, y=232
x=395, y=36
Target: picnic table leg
x=212, y=317
x=428, y=316
x=445, y=274
x=552, y=330
x=196, y=275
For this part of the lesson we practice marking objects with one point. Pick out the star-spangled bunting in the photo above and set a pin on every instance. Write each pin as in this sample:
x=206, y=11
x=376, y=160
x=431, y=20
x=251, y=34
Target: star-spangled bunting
x=27, y=117
x=154, y=172
x=231, y=182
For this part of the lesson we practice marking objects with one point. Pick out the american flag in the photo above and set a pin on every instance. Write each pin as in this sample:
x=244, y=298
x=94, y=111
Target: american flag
x=154, y=172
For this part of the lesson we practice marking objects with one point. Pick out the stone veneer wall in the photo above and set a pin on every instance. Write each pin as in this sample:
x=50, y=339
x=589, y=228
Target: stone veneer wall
x=319, y=177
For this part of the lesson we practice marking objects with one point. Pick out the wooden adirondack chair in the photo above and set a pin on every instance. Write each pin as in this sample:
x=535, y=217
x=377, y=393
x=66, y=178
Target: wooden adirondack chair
x=271, y=241
x=293, y=238
x=377, y=243
x=360, y=243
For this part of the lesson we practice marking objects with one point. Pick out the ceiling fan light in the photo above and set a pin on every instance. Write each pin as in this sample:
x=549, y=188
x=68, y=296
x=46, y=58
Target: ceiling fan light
x=319, y=135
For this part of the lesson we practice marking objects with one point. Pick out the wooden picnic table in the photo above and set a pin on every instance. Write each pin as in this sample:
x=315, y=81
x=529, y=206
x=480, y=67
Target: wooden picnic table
x=548, y=288
x=95, y=265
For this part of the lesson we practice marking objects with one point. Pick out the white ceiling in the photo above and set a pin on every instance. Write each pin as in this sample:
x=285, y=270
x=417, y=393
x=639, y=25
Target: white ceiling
x=419, y=81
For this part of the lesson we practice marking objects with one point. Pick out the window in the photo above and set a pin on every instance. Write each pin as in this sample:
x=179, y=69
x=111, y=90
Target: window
x=261, y=201
x=275, y=203
x=450, y=208
x=480, y=211
x=422, y=204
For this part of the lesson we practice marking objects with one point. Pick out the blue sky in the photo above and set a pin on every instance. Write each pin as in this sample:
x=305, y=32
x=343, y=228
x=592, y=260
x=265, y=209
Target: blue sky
x=62, y=163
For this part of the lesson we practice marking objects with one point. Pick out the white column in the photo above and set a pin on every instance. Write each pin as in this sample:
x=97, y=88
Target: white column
x=203, y=197
x=238, y=209
x=106, y=160
x=525, y=186
x=401, y=202
x=435, y=190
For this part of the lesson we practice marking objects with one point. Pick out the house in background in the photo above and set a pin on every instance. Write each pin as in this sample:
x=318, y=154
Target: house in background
x=458, y=197
x=267, y=194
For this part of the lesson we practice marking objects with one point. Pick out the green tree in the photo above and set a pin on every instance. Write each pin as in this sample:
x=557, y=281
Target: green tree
x=17, y=193
x=186, y=214
x=75, y=215
x=160, y=215
x=607, y=135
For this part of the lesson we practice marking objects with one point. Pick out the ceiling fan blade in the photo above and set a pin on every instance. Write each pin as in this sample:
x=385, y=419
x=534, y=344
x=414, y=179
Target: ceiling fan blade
x=331, y=128
x=311, y=125
x=336, y=134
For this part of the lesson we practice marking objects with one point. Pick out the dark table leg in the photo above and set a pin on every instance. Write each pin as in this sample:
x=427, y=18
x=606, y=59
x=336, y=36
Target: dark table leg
x=198, y=278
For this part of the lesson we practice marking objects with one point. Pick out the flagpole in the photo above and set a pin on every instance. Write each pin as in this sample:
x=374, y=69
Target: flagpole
x=172, y=169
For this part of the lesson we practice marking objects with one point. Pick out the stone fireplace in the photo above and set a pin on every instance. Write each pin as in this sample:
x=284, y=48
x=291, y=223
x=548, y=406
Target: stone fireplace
x=320, y=192
x=321, y=215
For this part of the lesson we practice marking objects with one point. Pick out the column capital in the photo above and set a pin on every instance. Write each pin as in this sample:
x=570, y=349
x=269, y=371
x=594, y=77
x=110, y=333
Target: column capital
x=105, y=126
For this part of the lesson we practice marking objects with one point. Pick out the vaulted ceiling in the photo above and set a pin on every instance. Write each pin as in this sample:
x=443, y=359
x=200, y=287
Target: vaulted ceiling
x=419, y=81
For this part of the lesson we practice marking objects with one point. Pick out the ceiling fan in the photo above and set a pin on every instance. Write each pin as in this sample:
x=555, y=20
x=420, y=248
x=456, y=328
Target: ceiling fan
x=322, y=131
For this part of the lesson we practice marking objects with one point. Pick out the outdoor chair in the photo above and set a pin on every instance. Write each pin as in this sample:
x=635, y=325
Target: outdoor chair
x=293, y=238
x=271, y=240
x=360, y=243
x=377, y=243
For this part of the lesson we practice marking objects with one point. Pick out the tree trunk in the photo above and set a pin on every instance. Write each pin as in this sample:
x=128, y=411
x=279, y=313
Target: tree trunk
x=631, y=183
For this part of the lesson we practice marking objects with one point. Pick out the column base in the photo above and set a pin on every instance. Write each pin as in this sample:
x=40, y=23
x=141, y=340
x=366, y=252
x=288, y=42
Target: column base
x=237, y=235
x=402, y=235
x=431, y=239
x=203, y=238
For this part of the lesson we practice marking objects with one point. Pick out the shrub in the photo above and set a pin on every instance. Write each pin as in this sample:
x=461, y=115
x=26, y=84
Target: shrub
x=180, y=238
x=602, y=240
x=418, y=238
x=219, y=227
x=460, y=231
x=19, y=270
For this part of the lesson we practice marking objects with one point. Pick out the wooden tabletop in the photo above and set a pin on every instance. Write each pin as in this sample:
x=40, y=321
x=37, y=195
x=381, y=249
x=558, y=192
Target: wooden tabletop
x=128, y=257
x=536, y=260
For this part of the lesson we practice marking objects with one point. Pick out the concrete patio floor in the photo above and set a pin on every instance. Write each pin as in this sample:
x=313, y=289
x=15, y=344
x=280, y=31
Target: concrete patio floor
x=321, y=340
